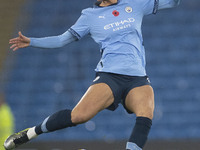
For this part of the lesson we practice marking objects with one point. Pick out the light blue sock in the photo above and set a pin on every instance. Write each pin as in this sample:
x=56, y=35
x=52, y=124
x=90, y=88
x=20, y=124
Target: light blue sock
x=132, y=146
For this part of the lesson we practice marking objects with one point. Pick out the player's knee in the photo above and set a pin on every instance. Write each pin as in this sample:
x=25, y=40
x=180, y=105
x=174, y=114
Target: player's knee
x=79, y=118
x=148, y=112
x=145, y=114
x=149, y=109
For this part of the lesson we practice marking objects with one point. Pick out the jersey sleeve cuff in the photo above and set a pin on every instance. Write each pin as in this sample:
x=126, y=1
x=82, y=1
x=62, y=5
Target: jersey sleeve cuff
x=155, y=9
x=74, y=33
x=31, y=42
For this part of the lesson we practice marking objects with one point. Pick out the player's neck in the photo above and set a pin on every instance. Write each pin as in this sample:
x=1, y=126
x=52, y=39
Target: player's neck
x=105, y=3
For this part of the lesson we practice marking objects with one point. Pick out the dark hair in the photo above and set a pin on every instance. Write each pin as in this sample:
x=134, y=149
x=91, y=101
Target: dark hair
x=98, y=3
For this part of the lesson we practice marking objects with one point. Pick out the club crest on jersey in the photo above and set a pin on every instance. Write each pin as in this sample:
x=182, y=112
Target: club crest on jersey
x=128, y=9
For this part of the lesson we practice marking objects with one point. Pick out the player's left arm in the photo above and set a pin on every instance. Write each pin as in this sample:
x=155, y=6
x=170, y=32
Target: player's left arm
x=152, y=6
x=163, y=4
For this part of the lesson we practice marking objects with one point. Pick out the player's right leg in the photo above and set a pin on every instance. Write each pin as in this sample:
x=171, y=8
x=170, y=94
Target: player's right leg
x=98, y=97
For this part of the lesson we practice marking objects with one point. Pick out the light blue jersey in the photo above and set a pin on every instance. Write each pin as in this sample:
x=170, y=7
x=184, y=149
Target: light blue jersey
x=117, y=30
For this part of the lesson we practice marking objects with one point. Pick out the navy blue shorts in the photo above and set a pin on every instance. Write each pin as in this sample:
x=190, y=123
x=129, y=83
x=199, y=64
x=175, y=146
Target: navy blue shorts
x=120, y=86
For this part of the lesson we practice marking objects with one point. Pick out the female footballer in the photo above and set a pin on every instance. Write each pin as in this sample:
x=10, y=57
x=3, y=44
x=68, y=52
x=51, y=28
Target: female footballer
x=120, y=74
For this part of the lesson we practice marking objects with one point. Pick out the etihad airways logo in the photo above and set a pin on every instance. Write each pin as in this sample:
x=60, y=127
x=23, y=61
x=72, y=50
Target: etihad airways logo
x=119, y=25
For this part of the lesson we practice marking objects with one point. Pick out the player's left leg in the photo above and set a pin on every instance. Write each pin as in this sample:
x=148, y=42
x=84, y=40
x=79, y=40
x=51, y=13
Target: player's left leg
x=140, y=101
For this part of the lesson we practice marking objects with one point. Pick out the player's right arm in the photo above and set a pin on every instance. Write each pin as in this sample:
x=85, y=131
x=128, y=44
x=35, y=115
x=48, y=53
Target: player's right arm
x=76, y=32
x=46, y=42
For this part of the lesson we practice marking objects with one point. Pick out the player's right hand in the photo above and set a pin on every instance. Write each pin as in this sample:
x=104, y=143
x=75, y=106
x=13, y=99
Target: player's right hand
x=19, y=42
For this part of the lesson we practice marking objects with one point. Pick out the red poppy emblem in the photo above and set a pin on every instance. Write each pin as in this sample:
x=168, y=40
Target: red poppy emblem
x=115, y=13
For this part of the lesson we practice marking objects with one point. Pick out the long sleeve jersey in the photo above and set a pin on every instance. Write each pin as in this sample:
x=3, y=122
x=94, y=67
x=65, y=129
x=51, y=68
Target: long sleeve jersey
x=117, y=30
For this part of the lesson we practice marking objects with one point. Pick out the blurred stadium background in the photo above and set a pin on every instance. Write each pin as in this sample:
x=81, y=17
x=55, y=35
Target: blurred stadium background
x=38, y=82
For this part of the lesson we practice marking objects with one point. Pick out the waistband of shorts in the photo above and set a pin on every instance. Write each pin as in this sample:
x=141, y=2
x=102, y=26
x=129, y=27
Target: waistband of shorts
x=119, y=75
